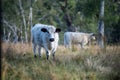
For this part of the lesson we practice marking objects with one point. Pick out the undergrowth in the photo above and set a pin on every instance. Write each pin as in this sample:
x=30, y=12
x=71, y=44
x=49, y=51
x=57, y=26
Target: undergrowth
x=93, y=63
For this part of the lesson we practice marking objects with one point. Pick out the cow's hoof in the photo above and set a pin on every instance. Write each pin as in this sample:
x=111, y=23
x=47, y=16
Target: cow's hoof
x=35, y=56
x=23, y=54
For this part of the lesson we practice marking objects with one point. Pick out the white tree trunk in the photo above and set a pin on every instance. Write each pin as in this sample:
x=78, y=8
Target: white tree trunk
x=30, y=17
x=24, y=21
x=8, y=38
x=4, y=34
x=101, y=26
x=30, y=20
x=21, y=32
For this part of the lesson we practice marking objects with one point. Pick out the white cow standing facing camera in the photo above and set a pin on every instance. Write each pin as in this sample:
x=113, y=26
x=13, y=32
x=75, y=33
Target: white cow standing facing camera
x=45, y=36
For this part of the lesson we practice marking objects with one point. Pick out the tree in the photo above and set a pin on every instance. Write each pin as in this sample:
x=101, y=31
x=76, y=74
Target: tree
x=24, y=20
x=101, y=26
x=66, y=14
x=14, y=29
x=67, y=17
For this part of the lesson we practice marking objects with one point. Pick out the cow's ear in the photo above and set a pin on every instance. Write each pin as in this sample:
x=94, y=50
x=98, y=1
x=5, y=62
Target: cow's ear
x=93, y=34
x=58, y=30
x=44, y=30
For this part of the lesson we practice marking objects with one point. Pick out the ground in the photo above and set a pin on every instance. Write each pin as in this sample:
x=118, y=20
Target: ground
x=18, y=63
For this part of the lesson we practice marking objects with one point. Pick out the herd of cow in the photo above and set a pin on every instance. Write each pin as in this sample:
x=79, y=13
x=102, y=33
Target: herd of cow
x=47, y=36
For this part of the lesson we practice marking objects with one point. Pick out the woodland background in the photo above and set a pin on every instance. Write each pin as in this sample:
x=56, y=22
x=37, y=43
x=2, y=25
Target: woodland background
x=18, y=16
x=94, y=63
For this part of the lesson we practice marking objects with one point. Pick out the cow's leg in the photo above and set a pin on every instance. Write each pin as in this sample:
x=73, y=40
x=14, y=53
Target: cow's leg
x=83, y=46
x=69, y=45
x=53, y=54
x=39, y=51
x=34, y=49
x=47, y=54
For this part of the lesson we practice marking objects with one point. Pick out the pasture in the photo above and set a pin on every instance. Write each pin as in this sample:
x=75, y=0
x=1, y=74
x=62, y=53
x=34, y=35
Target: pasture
x=18, y=63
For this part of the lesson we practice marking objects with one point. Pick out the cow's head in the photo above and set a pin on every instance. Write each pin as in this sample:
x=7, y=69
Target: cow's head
x=50, y=33
x=93, y=36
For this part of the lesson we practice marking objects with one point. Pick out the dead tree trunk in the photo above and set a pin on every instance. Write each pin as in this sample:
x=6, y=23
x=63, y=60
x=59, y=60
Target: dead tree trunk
x=30, y=19
x=21, y=32
x=8, y=37
x=4, y=34
x=24, y=21
x=31, y=24
x=16, y=35
x=101, y=26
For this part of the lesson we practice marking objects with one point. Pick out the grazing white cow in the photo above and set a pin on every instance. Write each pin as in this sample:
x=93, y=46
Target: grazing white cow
x=77, y=38
x=45, y=36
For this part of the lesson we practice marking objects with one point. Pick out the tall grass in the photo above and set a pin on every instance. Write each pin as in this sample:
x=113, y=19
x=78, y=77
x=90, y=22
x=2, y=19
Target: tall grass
x=93, y=63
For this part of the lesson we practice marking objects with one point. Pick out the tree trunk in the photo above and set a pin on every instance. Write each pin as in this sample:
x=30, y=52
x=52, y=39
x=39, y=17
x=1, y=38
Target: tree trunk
x=4, y=34
x=67, y=17
x=24, y=21
x=8, y=37
x=30, y=18
x=21, y=32
x=101, y=26
x=15, y=35
x=70, y=26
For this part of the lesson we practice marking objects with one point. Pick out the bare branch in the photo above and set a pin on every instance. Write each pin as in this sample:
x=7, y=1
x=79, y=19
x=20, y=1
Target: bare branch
x=13, y=28
x=44, y=16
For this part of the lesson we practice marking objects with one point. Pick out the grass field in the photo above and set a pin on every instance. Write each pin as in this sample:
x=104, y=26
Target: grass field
x=18, y=63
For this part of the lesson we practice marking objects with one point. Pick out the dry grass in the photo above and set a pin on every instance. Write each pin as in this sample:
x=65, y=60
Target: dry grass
x=19, y=48
x=93, y=63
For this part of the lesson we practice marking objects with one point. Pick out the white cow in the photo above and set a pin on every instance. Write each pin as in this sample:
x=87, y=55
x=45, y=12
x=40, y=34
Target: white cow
x=45, y=36
x=77, y=38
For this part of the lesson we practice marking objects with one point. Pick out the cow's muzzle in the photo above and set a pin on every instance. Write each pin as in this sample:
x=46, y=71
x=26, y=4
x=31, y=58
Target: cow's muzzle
x=51, y=39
